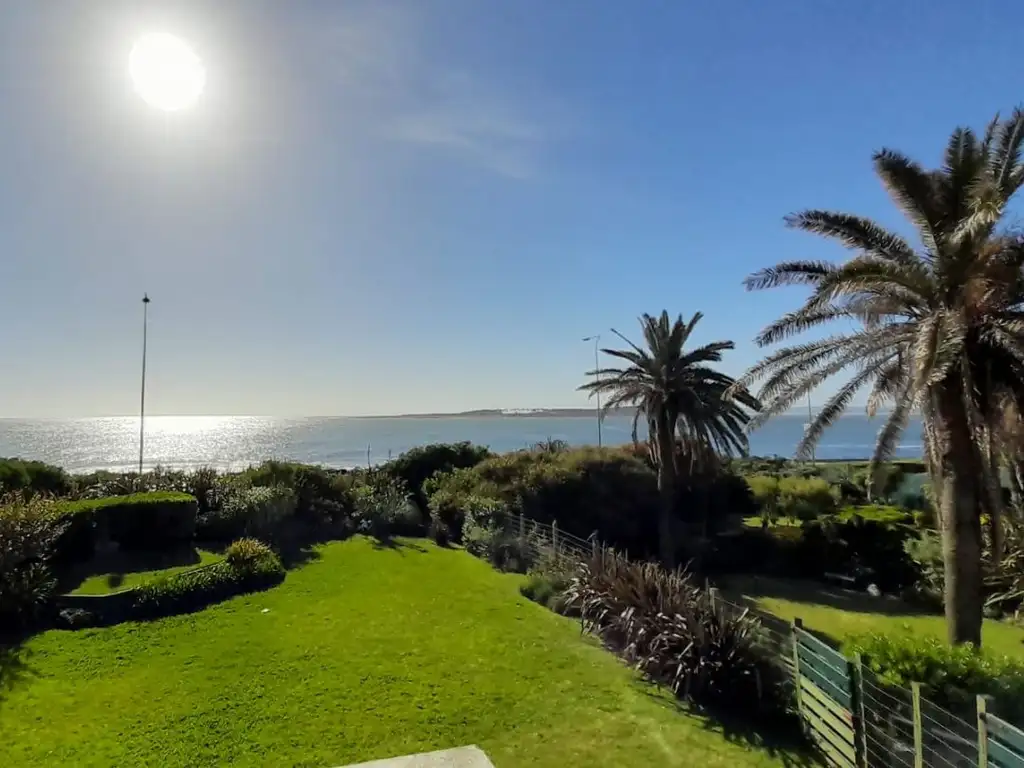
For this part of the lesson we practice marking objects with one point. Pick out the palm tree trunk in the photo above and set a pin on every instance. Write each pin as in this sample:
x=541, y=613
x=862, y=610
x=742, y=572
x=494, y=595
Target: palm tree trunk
x=960, y=501
x=994, y=487
x=666, y=489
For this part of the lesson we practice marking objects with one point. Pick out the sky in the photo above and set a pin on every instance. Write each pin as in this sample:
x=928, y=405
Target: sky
x=397, y=206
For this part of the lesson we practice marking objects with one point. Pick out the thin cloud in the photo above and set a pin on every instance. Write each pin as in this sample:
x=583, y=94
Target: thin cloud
x=377, y=54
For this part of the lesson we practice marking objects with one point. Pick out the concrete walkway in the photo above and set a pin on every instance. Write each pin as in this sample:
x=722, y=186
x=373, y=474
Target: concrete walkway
x=463, y=757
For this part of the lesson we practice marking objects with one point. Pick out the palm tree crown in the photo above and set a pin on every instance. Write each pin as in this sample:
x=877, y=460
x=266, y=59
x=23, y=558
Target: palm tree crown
x=947, y=313
x=665, y=378
x=937, y=328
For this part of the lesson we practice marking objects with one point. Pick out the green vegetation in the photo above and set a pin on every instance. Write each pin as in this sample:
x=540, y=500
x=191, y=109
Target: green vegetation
x=679, y=395
x=29, y=531
x=936, y=329
x=153, y=520
x=951, y=676
x=364, y=653
x=248, y=566
x=126, y=570
x=672, y=629
x=33, y=476
x=584, y=490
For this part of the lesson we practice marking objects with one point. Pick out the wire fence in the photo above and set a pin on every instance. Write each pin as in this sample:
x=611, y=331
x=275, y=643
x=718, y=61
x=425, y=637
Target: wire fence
x=895, y=727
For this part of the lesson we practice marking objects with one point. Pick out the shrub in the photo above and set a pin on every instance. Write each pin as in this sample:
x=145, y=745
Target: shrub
x=204, y=485
x=490, y=534
x=322, y=495
x=417, y=465
x=548, y=582
x=33, y=477
x=805, y=498
x=950, y=676
x=585, y=490
x=246, y=554
x=383, y=508
x=153, y=520
x=29, y=531
x=673, y=631
x=250, y=566
x=258, y=511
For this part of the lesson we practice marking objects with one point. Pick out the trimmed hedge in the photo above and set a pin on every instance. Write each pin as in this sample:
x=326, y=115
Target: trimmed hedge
x=250, y=566
x=154, y=520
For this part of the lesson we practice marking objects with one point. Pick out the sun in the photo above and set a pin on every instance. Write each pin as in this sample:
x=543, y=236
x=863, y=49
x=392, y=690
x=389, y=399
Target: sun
x=166, y=72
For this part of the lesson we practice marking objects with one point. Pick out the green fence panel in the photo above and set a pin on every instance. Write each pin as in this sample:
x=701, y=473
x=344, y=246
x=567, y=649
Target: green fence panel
x=1005, y=743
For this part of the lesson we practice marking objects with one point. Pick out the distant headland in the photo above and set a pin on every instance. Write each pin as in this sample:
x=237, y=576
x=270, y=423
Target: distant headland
x=512, y=413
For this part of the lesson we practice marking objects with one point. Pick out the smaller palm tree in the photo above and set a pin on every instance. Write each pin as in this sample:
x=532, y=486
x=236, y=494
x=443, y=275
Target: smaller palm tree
x=676, y=392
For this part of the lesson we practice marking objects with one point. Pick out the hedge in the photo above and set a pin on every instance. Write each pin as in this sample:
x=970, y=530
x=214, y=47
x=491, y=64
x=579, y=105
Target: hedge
x=155, y=520
x=249, y=566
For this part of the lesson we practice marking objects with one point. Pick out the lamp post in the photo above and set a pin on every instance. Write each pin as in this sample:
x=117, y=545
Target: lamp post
x=142, y=399
x=597, y=378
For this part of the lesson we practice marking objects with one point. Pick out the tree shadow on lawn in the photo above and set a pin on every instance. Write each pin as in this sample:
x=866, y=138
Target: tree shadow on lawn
x=748, y=590
x=779, y=736
x=116, y=565
x=396, y=544
x=14, y=667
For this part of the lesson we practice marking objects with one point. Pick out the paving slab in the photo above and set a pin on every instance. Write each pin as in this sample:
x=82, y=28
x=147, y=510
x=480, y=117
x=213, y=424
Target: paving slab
x=463, y=757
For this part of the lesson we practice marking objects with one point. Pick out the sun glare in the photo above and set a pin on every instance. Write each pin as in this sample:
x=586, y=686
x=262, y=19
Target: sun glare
x=166, y=72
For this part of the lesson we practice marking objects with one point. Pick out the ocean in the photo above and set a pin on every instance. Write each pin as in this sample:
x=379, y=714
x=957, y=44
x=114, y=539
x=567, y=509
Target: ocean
x=235, y=442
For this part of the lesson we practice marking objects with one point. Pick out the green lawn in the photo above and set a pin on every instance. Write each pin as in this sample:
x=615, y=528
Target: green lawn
x=840, y=614
x=125, y=570
x=362, y=653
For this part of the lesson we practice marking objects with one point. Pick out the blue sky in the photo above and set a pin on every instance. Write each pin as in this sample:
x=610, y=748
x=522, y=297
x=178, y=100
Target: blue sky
x=383, y=207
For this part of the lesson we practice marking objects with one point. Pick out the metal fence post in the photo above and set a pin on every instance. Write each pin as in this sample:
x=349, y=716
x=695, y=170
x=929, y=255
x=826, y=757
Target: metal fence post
x=856, y=667
x=982, y=733
x=915, y=690
x=554, y=535
x=522, y=530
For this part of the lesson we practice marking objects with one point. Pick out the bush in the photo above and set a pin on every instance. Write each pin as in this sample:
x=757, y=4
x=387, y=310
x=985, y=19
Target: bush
x=950, y=676
x=250, y=567
x=490, y=534
x=204, y=485
x=246, y=554
x=585, y=490
x=548, y=583
x=416, y=466
x=804, y=498
x=673, y=631
x=29, y=530
x=33, y=477
x=153, y=520
x=258, y=511
x=322, y=495
x=383, y=508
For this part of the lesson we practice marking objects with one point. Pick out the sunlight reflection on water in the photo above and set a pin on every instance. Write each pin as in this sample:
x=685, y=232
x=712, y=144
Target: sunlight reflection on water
x=234, y=442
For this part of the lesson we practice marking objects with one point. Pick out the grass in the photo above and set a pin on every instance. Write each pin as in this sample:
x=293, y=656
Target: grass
x=841, y=614
x=127, y=570
x=365, y=652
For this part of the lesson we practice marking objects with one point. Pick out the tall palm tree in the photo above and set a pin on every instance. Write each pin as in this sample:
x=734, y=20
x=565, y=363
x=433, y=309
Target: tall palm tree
x=937, y=328
x=676, y=391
